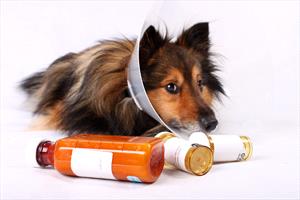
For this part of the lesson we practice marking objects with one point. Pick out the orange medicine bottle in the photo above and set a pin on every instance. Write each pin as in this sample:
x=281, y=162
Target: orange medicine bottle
x=137, y=159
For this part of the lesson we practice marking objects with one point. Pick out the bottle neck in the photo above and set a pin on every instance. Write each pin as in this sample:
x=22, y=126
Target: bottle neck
x=45, y=153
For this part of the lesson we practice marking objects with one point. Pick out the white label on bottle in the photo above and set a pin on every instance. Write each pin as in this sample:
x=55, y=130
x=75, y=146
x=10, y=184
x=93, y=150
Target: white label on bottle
x=199, y=138
x=228, y=148
x=175, y=152
x=92, y=163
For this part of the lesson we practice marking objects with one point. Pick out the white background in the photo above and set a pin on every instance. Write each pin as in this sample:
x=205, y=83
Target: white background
x=259, y=44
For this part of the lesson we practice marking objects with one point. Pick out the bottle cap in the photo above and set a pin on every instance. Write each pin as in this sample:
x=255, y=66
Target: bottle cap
x=248, y=147
x=199, y=160
x=31, y=151
x=165, y=135
x=211, y=143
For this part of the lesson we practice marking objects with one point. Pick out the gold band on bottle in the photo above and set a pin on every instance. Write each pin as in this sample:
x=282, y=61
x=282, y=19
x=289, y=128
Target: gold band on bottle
x=165, y=135
x=211, y=143
x=248, y=147
x=199, y=160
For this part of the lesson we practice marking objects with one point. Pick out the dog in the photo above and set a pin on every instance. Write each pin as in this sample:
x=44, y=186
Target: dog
x=87, y=91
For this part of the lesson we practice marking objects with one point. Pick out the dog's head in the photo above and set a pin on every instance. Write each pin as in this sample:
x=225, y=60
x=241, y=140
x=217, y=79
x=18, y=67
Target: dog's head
x=179, y=78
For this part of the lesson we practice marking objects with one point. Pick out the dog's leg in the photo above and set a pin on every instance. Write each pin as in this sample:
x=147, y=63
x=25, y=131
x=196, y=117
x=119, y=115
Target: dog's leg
x=49, y=121
x=41, y=122
x=155, y=130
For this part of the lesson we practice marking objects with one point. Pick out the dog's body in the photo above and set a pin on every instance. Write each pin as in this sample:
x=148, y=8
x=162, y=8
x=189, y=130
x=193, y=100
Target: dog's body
x=87, y=91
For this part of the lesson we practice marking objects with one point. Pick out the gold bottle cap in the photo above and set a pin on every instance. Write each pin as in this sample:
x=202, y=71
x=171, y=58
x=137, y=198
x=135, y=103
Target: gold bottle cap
x=165, y=135
x=211, y=144
x=199, y=160
x=248, y=147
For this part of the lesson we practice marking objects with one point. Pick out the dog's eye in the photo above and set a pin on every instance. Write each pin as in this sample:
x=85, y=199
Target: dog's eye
x=200, y=84
x=172, y=88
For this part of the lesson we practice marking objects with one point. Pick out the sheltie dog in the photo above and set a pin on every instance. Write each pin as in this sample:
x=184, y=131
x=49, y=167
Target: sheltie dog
x=87, y=91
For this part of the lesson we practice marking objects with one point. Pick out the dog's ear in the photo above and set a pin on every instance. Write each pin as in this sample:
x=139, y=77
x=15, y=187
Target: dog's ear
x=196, y=38
x=149, y=44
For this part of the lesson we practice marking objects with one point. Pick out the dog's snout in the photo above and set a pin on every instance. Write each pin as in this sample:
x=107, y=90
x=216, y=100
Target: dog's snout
x=209, y=123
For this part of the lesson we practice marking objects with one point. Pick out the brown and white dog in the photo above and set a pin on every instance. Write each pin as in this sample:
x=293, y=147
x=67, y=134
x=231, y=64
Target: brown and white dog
x=87, y=91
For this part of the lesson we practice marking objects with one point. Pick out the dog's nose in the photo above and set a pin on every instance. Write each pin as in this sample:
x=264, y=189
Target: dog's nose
x=209, y=123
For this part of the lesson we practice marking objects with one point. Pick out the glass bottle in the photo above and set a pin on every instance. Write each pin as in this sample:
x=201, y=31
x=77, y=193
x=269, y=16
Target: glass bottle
x=225, y=147
x=137, y=159
x=196, y=159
